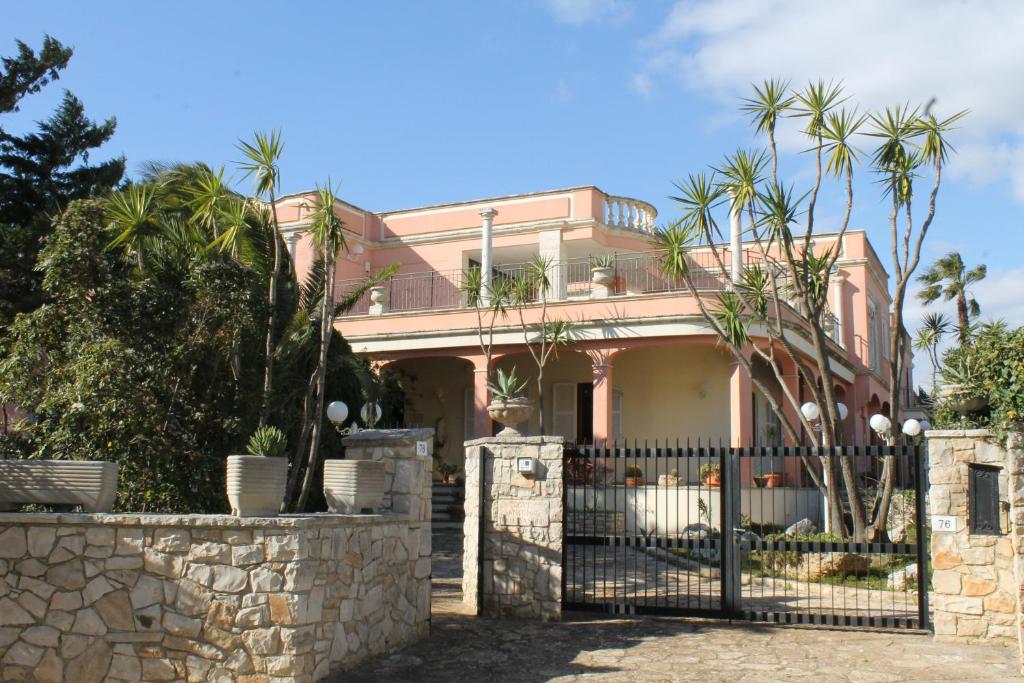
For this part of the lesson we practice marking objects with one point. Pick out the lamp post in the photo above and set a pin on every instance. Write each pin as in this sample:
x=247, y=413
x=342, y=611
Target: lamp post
x=337, y=413
x=812, y=413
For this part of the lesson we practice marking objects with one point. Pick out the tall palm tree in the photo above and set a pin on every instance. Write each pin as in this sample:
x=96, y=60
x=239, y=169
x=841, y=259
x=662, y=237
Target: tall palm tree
x=949, y=279
x=327, y=231
x=934, y=327
x=261, y=162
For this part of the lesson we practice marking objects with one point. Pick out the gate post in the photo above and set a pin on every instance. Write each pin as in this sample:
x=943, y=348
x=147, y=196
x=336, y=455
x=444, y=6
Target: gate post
x=730, y=521
x=513, y=531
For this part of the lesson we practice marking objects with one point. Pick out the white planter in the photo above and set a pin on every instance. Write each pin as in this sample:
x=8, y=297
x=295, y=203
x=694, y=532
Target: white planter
x=256, y=485
x=601, y=275
x=353, y=486
x=91, y=484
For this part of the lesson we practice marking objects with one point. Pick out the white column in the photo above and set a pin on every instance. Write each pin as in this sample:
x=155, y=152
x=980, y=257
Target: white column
x=486, y=260
x=839, y=278
x=735, y=240
x=552, y=248
x=292, y=239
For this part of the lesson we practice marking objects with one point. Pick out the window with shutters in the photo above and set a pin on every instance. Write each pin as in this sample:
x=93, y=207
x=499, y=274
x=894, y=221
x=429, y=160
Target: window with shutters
x=563, y=410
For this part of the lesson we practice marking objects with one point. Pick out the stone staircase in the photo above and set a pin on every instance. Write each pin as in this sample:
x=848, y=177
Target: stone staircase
x=447, y=500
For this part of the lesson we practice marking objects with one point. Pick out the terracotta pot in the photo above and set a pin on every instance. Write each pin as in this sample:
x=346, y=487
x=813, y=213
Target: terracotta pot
x=510, y=412
x=634, y=482
x=89, y=483
x=714, y=479
x=774, y=480
x=353, y=486
x=256, y=485
x=601, y=276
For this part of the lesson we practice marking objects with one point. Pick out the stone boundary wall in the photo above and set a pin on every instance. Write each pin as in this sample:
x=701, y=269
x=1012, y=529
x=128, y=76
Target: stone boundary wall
x=522, y=528
x=92, y=597
x=128, y=597
x=977, y=578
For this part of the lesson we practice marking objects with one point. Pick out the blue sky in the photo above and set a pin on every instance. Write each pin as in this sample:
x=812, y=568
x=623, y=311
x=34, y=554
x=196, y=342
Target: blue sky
x=411, y=103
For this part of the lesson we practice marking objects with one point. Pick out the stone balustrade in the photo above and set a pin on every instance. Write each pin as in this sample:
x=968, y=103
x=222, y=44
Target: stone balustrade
x=633, y=214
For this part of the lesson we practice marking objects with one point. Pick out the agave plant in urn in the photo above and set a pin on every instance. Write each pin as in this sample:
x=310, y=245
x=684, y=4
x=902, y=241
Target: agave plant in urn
x=509, y=405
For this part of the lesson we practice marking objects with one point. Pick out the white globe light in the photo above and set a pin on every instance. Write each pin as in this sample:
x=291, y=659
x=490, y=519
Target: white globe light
x=843, y=411
x=911, y=427
x=810, y=411
x=368, y=416
x=925, y=425
x=337, y=412
x=880, y=423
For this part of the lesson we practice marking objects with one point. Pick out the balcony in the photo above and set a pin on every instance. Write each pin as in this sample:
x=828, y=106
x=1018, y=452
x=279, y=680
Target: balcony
x=633, y=274
x=629, y=214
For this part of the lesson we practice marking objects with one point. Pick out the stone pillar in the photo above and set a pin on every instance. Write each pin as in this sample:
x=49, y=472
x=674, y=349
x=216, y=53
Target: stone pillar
x=486, y=260
x=292, y=239
x=512, y=551
x=408, y=470
x=603, y=400
x=978, y=578
x=839, y=279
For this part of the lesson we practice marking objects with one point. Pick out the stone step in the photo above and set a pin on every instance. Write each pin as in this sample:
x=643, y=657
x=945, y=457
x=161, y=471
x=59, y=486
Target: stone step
x=446, y=526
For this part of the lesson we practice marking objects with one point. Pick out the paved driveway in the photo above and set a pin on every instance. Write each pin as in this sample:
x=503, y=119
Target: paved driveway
x=463, y=648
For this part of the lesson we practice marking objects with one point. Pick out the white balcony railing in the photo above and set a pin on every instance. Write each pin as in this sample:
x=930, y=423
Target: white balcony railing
x=632, y=214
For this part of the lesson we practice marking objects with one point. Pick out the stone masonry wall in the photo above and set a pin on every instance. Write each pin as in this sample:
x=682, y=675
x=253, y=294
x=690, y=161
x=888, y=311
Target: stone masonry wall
x=522, y=528
x=975, y=584
x=206, y=597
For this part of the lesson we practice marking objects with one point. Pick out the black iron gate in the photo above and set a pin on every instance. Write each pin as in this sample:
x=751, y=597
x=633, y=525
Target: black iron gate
x=744, y=533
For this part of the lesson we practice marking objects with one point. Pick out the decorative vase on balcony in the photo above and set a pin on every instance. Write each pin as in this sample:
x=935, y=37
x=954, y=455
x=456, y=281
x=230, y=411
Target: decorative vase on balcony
x=256, y=483
x=353, y=486
x=602, y=269
x=378, y=299
x=508, y=405
x=89, y=483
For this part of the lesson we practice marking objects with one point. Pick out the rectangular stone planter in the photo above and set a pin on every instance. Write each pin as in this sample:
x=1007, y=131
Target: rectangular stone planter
x=91, y=484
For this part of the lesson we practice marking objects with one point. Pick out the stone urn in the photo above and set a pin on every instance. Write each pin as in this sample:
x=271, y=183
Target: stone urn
x=510, y=412
x=378, y=294
x=256, y=485
x=960, y=400
x=353, y=486
x=601, y=275
x=89, y=483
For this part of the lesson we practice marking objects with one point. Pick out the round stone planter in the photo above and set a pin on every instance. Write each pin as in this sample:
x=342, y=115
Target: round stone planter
x=601, y=276
x=957, y=397
x=353, y=486
x=378, y=294
x=510, y=413
x=256, y=485
x=89, y=483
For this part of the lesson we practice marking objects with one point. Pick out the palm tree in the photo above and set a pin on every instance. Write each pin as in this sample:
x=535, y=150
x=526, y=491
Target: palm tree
x=949, y=279
x=261, y=162
x=327, y=230
x=934, y=327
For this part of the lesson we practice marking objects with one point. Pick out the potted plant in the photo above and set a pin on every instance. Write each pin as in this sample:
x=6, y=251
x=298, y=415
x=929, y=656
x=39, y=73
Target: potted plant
x=602, y=269
x=774, y=480
x=634, y=476
x=89, y=483
x=446, y=470
x=669, y=479
x=353, y=486
x=508, y=405
x=711, y=474
x=959, y=388
x=256, y=482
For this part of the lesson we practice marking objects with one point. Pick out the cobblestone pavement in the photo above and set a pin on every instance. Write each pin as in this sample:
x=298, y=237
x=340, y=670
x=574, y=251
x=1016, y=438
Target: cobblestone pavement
x=464, y=649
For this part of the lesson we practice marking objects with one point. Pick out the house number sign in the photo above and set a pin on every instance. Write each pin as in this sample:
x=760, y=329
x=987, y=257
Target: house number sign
x=422, y=448
x=943, y=523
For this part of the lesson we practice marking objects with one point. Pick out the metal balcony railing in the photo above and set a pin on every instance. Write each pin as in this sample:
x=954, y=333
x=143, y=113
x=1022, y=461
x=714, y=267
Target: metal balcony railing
x=632, y=274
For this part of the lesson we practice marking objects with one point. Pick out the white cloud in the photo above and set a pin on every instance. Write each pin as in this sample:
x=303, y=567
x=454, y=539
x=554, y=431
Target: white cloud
x=586, y=11
x=967, y=55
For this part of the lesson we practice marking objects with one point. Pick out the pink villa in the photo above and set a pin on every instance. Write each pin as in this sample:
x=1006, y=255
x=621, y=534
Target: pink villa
x=645, y=365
